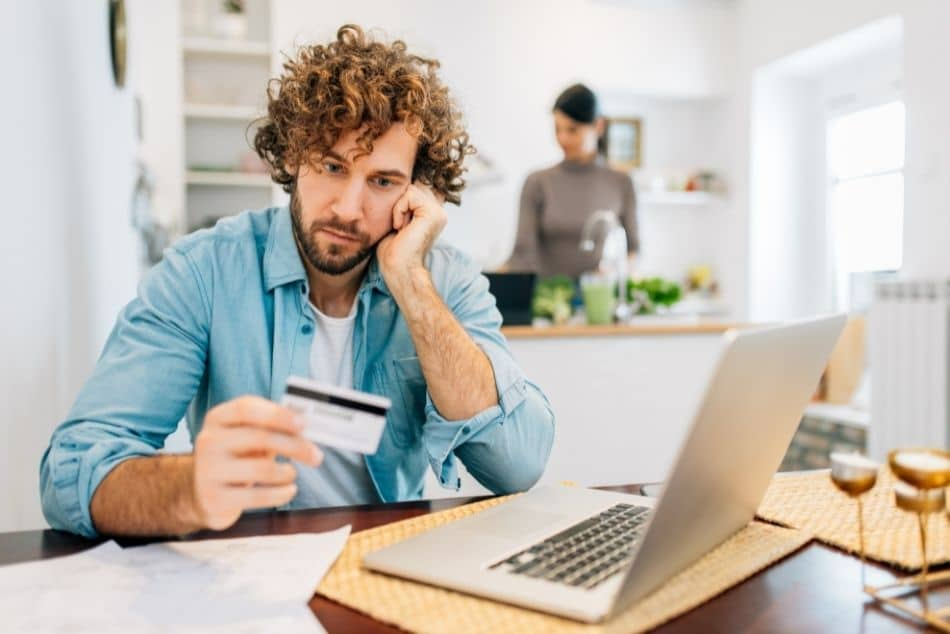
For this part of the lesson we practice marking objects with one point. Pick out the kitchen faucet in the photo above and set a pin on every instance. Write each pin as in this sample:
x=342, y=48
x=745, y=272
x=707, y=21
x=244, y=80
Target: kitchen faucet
x=613, y=256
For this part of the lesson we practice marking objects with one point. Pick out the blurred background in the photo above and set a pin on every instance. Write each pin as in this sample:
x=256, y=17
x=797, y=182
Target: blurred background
x=789, y=159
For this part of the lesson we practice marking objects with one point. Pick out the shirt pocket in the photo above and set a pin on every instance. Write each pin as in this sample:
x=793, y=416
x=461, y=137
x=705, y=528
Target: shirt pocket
x=411, y=387
x=403, y=382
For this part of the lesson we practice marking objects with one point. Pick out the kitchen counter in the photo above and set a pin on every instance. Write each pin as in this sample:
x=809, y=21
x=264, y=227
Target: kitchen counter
x=623, y=395
x=659, y=326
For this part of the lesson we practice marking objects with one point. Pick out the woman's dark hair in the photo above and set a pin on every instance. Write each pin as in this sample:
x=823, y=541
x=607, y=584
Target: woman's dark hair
x=579, y=103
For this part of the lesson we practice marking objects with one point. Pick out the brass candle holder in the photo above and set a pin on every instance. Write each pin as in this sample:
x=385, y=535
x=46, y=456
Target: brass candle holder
x=855, y=475
x=923, y=476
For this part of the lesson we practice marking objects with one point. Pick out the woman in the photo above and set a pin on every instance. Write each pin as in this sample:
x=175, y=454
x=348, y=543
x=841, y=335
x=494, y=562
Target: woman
x=556, y=201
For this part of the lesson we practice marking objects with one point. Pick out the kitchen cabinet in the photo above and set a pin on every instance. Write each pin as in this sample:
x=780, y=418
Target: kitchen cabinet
x=623, y=396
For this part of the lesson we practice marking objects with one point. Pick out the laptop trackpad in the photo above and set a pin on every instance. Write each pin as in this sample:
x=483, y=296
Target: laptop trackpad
x=511, y=523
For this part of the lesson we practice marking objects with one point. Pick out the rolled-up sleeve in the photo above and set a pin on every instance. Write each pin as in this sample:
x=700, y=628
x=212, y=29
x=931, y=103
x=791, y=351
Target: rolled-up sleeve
x=148, y=373
x=506, y=446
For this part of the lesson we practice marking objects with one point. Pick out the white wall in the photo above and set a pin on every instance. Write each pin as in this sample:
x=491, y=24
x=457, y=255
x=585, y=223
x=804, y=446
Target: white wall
x=68, y=260
x=31, y=381
x=787, y=264
x=156, y=77
x=506, y=61
x=790, y=245
x=927, y=166
x=769, y=30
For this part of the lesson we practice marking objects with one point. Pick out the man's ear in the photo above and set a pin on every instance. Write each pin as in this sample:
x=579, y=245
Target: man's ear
x=601, y=126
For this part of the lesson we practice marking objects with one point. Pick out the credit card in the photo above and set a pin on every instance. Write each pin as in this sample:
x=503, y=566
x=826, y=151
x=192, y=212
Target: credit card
x=336, y=416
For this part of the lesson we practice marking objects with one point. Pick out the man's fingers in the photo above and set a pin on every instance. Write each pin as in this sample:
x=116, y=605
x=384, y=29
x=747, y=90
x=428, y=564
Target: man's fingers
x=256, y=411
x=401, y=209
x=424, y=202
x=259, y=497
x=251, y=440
x=256, y=471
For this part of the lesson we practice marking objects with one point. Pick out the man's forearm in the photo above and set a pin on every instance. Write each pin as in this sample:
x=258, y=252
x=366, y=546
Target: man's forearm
x=147, y=496
x=458, y=374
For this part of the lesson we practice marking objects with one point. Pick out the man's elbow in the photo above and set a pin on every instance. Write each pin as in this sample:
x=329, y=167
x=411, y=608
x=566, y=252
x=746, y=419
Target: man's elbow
x=49, y=502
x=529, y=465
x=525, y=478
x=60, y=500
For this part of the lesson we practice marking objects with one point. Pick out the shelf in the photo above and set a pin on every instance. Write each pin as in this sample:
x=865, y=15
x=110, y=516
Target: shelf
x=221, y=113
x=227, y=179
x=678, y=198
x=227, y=48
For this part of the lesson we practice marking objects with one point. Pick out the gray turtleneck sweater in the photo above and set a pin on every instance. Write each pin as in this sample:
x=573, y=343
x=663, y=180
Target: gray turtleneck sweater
x=555, y=202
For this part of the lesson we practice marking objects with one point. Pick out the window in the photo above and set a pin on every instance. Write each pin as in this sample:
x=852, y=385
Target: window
x=866, y=193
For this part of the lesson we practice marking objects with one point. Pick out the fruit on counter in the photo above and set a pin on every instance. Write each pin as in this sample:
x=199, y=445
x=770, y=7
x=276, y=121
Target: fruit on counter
x=700, y=279
x=699, y=276
x=649, y=293
x=552, y=298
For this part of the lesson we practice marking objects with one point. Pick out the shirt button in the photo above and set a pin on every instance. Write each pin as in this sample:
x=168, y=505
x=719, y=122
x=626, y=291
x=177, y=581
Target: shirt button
x=465, y=429
x=306, y=329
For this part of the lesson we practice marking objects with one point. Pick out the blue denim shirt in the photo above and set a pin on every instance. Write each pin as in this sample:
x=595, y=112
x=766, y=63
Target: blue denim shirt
x=223, y=315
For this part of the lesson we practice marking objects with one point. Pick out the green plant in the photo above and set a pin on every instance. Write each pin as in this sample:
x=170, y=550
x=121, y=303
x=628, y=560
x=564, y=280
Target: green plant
x=552, y=298
x=232, y=6
x=648, y=293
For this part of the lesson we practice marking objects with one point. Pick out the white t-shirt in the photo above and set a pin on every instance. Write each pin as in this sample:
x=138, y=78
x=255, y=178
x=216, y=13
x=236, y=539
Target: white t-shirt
x=342, y=479
x=331, y=353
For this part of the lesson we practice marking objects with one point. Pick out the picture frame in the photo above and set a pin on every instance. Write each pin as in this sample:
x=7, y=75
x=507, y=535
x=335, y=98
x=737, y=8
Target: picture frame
x=624, y=141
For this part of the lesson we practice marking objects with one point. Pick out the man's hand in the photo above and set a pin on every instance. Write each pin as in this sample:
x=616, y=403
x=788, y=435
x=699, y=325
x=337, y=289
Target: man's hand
x=234, y=459
x=418, y=219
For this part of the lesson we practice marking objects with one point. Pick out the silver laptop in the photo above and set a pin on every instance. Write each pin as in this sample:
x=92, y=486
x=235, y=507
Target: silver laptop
x=587, y=554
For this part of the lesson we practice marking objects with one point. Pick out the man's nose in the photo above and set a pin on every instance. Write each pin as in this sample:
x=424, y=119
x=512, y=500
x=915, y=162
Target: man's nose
x=349, y=203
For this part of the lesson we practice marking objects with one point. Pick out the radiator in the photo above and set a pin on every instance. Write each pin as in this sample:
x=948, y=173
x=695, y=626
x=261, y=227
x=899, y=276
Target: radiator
x=909, y=355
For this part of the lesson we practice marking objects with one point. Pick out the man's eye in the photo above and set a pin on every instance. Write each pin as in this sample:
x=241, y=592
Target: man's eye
x=382, y=181
x=333, y=168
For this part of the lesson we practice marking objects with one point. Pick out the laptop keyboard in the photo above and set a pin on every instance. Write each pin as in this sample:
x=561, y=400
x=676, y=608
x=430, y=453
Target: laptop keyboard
x=585, y=554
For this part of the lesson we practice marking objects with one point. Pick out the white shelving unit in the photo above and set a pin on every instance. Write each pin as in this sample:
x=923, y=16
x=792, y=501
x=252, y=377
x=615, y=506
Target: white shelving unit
x=694, y=198
x=221, y=113
x=227, y=179
x=223, y=92
x=225, y=48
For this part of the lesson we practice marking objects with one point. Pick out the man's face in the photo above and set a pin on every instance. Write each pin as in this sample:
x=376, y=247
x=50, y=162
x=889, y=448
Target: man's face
x=342, y=207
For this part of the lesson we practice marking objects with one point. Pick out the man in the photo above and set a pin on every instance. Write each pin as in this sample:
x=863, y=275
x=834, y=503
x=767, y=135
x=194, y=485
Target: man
x=344, y=286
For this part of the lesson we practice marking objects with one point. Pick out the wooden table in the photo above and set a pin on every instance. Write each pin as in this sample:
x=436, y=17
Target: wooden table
x=813, y=590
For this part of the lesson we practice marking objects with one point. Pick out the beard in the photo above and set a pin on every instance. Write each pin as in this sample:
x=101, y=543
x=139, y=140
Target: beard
x=333, y=260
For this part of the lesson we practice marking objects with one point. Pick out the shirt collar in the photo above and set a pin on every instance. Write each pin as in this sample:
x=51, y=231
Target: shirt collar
x=282, y=264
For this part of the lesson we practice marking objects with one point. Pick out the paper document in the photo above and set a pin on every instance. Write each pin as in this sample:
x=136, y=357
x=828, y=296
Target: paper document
x=242, y=585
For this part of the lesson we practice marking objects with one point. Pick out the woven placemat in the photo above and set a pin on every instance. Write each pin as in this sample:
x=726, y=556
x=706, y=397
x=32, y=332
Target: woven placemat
x=810, y=502
x=421, y=608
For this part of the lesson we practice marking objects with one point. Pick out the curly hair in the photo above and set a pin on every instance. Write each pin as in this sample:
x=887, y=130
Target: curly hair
x=356, y=83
